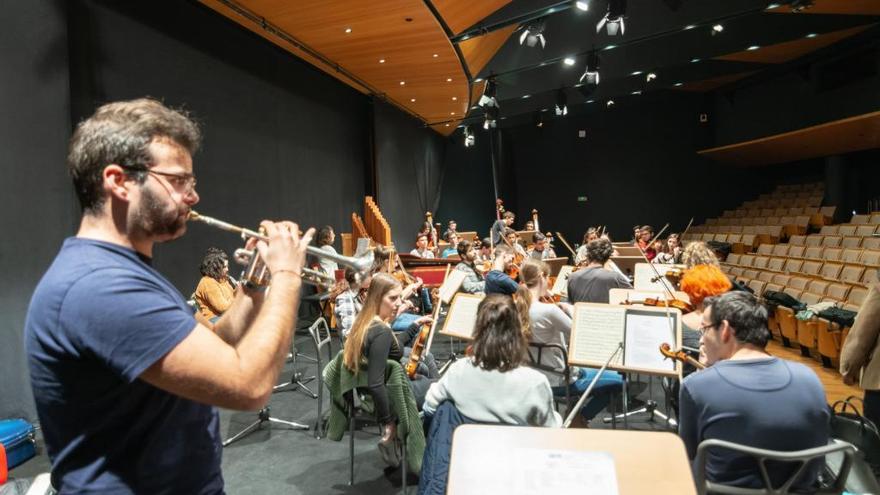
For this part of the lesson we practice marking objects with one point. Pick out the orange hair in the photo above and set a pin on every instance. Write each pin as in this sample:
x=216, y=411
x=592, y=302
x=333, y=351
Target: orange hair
x=704, y=281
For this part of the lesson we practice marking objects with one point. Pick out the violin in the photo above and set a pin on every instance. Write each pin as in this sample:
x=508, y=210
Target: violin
x=417, y=348
x=680, y=355
x=551, y=298
x=674, y=276
x=683, y=306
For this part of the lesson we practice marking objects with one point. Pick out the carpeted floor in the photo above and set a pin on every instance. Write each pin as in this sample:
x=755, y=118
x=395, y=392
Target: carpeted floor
x=275, y=459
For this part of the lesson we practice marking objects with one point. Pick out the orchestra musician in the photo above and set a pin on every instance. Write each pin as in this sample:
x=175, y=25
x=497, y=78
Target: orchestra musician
x=541, y=251
x=498, y=228
x=484, y=251
x=670, y=252
x=581, y=256
x=451, y=228
x=529, y=226
x=371, y=340
x=592, y=283
x=749, y=397
x=497, y=280
x=644, y=242
x=513, y=242
x=699, y=283
x=551, y=324
x=493, y=384
x=215, y=291
x=452, y=248
x=124, y=378
x=473, y=282
x=349, y=302
x=421, y=250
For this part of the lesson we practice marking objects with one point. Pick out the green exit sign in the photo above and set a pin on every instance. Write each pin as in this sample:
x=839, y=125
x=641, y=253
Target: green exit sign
x=582, y=199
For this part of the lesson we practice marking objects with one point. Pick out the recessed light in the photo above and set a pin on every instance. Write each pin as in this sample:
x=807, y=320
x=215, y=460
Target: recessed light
x=591, y=101
x=694, y=60
x=526, y=96
x=381, y=60
x=451, y=113
x=690, y=26
x=753, y=48
x=435, y=55
x=412, y=100
x=610, y=47
x=717, y=28
x=479, y=79
x=678, y=84
x=568, y=61
x=447, y=125
x=347, y=30
x=402, y=83
x=454, y=98
x=812, y=35
x=584, y=6
x=636, y=92
x=636, y=73
x=448, y=79
x=773, y=6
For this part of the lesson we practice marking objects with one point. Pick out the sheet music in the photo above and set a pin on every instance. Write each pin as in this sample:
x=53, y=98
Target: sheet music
x=451, y=285
x=363, y=245
x=596, y=331
x=561, y=285
x=527, y=471
x=462, y=316
x=644, y=334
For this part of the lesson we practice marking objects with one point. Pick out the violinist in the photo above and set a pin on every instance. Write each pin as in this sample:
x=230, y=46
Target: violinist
x=451, y=228
x=372, y=342
x=473, y=281
x=452, y=248
x=350, y=301
x=644, y=242
x=550, y=323
x=541, y=250
x=670, y=252
x=513, y=242
x=421, y=250
x=500, y=226
x=592, y=283
x=699, y=283
x=529, y=226
x=497, y=280
x=483, y=251
x=581, y=256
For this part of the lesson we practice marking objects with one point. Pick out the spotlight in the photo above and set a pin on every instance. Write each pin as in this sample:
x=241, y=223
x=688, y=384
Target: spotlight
x=533, y=34
x=798, y=6
x=468, y=137
x=584, y=6
x=610, y=103
x=591, y=73
x=650, y=77
x=568, y=61
x=539, y=119
x=561, y=103
x=717, y=29
x=491, y=118
x=613, y=20
x=488, y=98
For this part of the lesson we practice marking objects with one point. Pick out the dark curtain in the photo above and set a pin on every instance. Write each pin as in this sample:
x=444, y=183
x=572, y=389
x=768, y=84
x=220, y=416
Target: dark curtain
x=409, y=167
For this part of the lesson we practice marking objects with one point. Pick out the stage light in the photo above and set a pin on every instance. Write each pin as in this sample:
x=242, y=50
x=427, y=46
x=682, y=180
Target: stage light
x=568, y=61
x=539, y=119
x=678, y=84
x=491, y=118
x=717, y=29
x=613, y=20
x=533, y=34
x=468, y=137
x=650, y=77
x=591, y=73
x=561, y=103
x=488, y=98
x=753, y=48
x=812, y=35
x=610, y=103
x=583, y=6
x=798, y=6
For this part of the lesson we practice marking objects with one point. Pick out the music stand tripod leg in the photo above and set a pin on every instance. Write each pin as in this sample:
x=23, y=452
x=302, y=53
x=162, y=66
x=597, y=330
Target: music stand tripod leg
x=263, y=416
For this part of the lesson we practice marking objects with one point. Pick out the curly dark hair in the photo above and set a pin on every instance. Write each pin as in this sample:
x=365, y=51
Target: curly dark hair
x=121, y=133
x=325, y=233
x=213, y=262
x=599, y=250
x=499, y=342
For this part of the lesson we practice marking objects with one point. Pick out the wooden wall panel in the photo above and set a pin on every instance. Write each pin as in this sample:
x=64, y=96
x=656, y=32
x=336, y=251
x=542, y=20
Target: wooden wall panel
x=462, y=14
x=477, y=52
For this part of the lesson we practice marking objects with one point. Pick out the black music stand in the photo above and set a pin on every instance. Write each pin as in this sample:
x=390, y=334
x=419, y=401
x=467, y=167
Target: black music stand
x=263, y=416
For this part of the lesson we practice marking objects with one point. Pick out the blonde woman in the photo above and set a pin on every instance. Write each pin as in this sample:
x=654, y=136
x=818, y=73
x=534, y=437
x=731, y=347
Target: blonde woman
x=371, y=342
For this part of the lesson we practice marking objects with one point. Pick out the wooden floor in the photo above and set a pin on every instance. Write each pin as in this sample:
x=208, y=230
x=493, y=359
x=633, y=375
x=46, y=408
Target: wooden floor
x=835, y=389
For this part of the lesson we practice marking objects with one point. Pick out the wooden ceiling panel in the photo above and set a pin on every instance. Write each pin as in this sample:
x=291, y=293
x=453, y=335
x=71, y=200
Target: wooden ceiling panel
x=356, y=35
x=857, y=133
x=479, y=50
x=790, y=50
x=847, y=7
x=462, y=14
x=716, y=82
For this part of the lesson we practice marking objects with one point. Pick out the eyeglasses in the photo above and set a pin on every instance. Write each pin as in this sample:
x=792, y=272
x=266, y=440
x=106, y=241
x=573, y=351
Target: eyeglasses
x=184, y=182
x=704, y=328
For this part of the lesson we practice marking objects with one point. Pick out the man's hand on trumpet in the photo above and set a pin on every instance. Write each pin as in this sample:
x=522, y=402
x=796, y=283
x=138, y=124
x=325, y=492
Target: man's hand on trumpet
x=285, y=251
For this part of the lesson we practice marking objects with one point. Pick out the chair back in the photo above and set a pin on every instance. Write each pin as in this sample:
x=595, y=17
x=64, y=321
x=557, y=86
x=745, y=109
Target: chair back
x=565, y=372
x=801, y=459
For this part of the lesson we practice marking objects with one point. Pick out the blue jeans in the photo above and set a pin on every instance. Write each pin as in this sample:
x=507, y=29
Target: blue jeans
x=609, y=383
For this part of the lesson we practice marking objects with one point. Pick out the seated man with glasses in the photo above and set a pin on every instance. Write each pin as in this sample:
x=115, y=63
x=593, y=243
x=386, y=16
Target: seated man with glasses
x=749, y=397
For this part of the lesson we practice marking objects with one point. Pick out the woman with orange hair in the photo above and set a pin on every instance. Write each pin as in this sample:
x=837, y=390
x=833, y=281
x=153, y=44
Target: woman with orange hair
x=700, y=282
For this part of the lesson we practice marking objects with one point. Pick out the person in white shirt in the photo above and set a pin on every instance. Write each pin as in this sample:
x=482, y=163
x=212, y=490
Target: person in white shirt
x=325, y=238
x=541, y=251
x=493, y=385
x=421, y=250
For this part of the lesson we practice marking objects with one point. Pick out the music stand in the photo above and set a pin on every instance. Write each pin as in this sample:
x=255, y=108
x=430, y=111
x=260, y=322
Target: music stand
x=263, y=416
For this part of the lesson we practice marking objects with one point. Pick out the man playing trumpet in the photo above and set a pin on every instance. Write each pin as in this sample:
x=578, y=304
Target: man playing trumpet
x=125, y=379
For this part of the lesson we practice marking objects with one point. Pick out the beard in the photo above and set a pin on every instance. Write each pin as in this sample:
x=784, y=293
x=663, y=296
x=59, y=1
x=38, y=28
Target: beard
x=157, y=219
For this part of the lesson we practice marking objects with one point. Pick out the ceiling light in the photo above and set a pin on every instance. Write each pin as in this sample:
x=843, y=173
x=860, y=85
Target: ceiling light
x=798, y=6
x=533, y=34
x=678, y=84
x=451, y=113
x=449, y=79
x=694, y=60
x=690, y=26
x=488, y=97
x=479, y=79
x=539, y=119
x=635, y=73
x=591, y=101
x=402, y=83
x=412, y=100
x=347, y=30
x=773, y=6
x=591, y=73
x=650, y=77
x=583, y=6
x=753, y=48
x=613, y=20
x=717, y=28
x=454, y=98
x=491, y=118
x=610, y=103
x=561, y=103
x=435, y=55
x=526, y=96
x=636, y=92
x=468, y=137
x=381, y=60
x=812, y=35
x=568, y=61
x=447, y=125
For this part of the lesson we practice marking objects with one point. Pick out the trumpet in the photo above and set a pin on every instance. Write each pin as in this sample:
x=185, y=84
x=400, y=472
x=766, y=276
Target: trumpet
x=258, y=274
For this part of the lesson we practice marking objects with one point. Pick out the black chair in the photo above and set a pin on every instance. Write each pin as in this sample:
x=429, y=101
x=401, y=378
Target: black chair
x=565, y=372
x=320, y=332
x=355, y=412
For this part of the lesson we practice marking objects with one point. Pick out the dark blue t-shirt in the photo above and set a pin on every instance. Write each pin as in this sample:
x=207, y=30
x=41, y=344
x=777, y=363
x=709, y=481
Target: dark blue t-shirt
x=100, y=316
x=765, y=403
x=500, y=283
